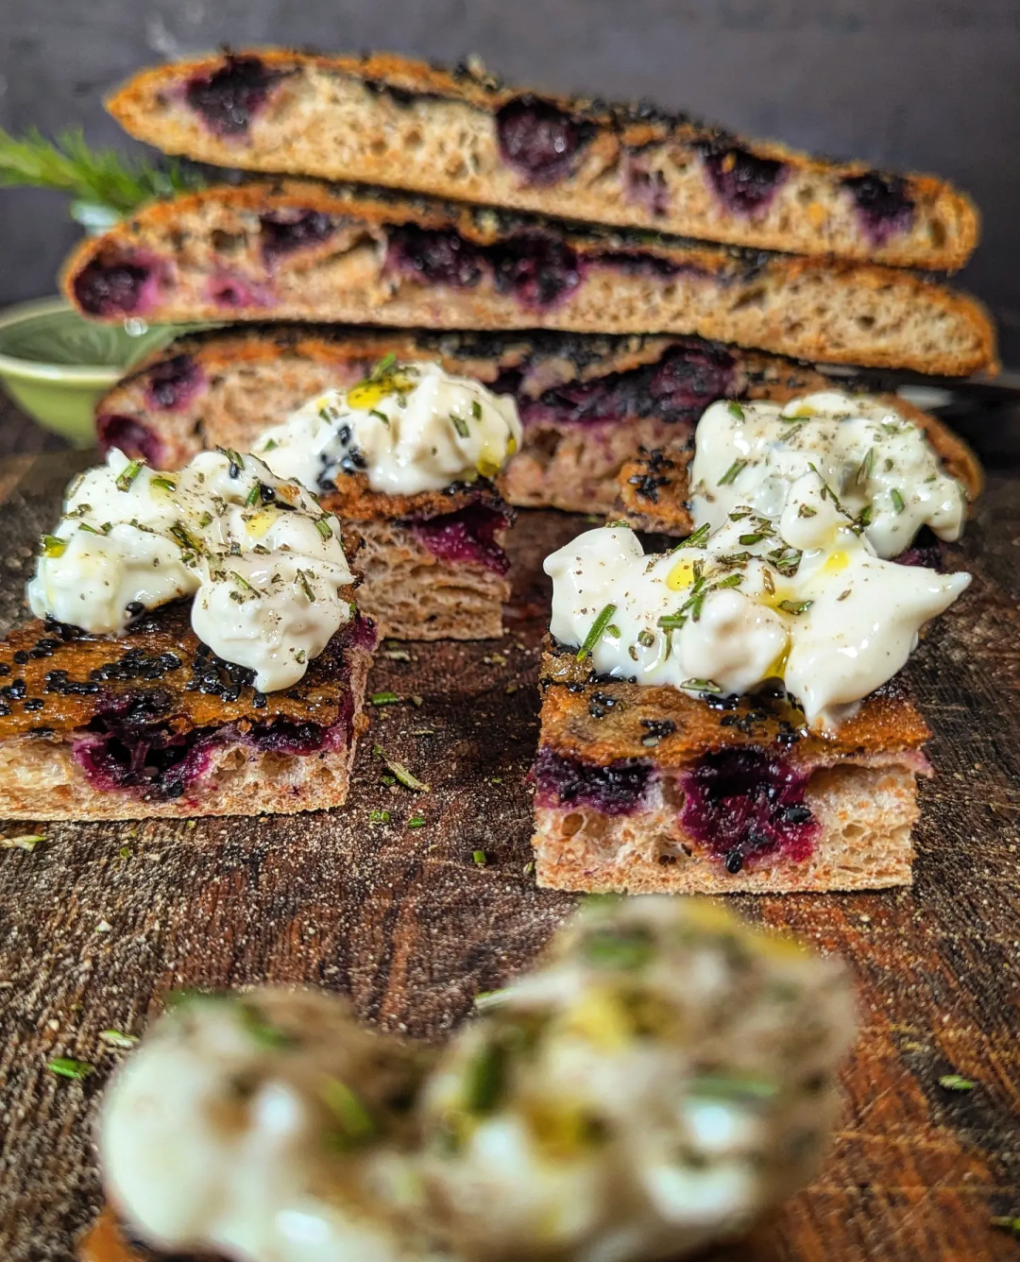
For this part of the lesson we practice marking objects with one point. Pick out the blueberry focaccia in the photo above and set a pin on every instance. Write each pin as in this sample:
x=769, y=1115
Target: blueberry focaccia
x=156, y=725
x=586, y=403
x=386, y=120
x=647, y=789
x=306, y=250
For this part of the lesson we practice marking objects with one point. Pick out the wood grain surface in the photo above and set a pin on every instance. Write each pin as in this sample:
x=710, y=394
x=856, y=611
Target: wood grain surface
x=100, y=920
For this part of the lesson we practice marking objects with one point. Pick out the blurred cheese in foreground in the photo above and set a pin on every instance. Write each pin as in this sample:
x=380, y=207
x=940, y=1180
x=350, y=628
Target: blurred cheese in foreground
x=662, y=1078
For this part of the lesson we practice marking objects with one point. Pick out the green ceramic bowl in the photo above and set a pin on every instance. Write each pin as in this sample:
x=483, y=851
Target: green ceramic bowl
x=55, y=364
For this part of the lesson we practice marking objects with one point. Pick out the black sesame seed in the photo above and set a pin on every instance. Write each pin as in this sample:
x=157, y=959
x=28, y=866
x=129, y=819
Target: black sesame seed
x=734, y=862
x=34, y=703
x=21, y=657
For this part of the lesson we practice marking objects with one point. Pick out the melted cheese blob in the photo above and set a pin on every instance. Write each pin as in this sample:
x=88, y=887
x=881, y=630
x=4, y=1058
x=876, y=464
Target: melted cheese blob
x=804, y=601
x=874, y=461
x=410, y=427
x=262, y=560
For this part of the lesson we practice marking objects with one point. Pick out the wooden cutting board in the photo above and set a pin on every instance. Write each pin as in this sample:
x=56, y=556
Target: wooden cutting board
x=100, y=920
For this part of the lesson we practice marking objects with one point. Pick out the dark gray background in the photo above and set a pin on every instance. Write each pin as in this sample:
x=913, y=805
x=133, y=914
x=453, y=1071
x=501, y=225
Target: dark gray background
x=929, y=84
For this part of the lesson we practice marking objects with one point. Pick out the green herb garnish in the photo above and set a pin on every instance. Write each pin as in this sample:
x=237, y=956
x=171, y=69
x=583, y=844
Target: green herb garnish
x=595, y=634
x=416, y=821
x=401, y=773
x=379, y=817
x=253, y=497
x=956, y=1082
x=696, y=539
x=270, y=445
x=734, y=1086
x=68, y=1067
x=795, y=606
x=384, y=698
x=115, y=1038
x=306, y=586
x=732, y=473
x=701, y=685
x=735, y=410
x=897, y=501
x=23, y=841
x=53, y=546
x=867, y=467
x=242, y=582
x=460, y=425
x=486, y=1079
x=476, y=409
x=98, y=179
x=479, y=858
x=353, y=1118
x=127, y=475
x=263, y=1031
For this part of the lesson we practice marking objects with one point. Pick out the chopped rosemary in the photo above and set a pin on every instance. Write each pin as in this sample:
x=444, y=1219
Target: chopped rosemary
x=306, y=587
x=416, y=821
x=460, y=425
x=956, y=1082
x=53, y=546
x=379, y=817
x=164, y=483
x=236, y=462
x=115, y=1038
x=735, y=1086
x=672, y=621
x=323, y=527
x=646, y=639
x=806, y=510
x=23, y=841
x=353, y=1118
x=379, y=416
x=696, y=539
x=897, y=501
x=185, y=539
x=731, y=580
x=701, y=685
x=755, y=537
x=479, y=858
x=867, y=467
x=253, y=497
x=385, y=698
x=735, y=410
x=242, y=582
x=795, y=606
x=486, y=1079
x=1007, y=1223
x=613, y=630
x=68, y=1067
x=732, y=473
x=270, y=445
x=401, y=773
x=595, y=634
x=476, y=409
x=127, y=475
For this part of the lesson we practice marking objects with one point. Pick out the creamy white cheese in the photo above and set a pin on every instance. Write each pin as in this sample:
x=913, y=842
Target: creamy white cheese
x=804, y=601
x=410, y=427
x=258, y=1127
x=876, y=462
x=262, y=560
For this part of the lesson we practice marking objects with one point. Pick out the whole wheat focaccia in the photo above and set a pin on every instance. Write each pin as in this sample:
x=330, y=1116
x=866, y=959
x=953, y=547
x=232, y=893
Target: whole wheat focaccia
x=305, y=250
x=652, y=487
x=432, y=565
x=587, y=403
x=387, y=120
x=154, y=725
x=647, y=789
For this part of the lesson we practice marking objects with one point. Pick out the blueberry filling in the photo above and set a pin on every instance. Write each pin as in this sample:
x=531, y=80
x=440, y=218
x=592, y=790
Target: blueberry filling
x=742, y=181
x=468, y=535
x=130, y=436
x=230, y=97
x=646, y=188
x=440, y=256
x=537, y=269
x=111, y=288
x=678, y=387
x=617, y=789
x=883, y=205
x=744, y=805
x=172, y=383
x=924, y=552
x=283, y=231
x=539, y=140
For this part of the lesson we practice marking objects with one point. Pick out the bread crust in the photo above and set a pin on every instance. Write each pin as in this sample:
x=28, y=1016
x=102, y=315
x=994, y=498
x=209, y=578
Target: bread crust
x=201, y=256
x=390, y=120
x=68, y=686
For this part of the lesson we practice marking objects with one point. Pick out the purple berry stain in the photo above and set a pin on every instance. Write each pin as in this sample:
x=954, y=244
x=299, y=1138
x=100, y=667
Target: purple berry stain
x=617, y=789
x=440, y=256
x=131, y=436
x=744, y=805
x=742, y=181
x=884, y=207
x=539, y=140
x=286, y=231
x=112, y=287
x=230, y=97
x=172, y=383
x=536, y=268
x=468, y=535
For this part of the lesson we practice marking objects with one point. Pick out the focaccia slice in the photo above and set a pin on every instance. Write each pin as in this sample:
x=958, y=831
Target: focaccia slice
x=310, y=251
x=463, y=134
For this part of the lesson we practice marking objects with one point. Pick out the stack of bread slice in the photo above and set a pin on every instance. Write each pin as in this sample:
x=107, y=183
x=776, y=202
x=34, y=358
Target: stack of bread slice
x=651, y=264
x=615, y=269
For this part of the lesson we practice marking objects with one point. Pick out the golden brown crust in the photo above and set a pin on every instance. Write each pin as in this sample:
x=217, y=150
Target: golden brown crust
x=780, y=303
x=943, y=237
x=354, y=501
x=574, y=722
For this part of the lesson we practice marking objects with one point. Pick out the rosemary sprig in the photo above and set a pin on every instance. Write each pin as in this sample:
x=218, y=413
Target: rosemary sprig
x=98, y=179
x=595, y=634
